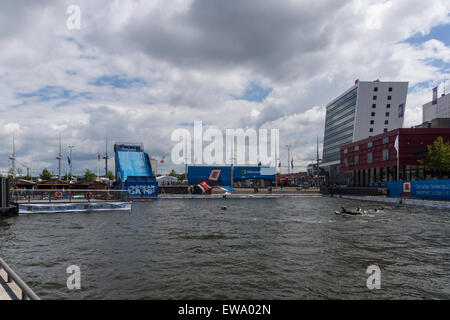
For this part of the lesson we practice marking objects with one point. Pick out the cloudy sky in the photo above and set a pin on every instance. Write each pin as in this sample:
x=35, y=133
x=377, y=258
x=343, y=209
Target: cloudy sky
x=137, y=70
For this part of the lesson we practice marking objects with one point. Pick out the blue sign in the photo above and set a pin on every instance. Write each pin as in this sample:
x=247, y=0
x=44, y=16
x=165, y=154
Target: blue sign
x=435, y=95
x=422, y=189
x=401, y=110
x=125, y=147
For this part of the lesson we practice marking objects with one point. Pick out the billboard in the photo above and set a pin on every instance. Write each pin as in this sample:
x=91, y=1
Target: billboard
x=221, y=175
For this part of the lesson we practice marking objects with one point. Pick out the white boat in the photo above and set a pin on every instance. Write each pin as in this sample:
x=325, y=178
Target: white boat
x=73, y=207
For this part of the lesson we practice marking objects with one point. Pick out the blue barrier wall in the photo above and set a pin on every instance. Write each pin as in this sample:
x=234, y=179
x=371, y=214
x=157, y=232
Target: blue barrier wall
x=199, y=173
x=422, y=189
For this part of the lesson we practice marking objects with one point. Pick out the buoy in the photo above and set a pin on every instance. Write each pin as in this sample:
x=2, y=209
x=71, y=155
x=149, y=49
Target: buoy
x=224, y=208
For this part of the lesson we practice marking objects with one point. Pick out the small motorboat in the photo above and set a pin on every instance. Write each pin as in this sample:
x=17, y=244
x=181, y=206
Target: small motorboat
x=350, y=213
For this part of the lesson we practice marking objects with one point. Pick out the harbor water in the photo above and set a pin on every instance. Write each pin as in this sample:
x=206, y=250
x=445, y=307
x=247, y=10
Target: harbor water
x=233, y=249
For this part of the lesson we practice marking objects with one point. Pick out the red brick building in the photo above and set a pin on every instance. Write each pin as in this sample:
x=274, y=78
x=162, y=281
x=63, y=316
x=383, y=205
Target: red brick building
x=374, y=160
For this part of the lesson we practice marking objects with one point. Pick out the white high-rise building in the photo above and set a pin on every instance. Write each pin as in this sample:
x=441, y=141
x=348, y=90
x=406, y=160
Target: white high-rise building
x=366, y=109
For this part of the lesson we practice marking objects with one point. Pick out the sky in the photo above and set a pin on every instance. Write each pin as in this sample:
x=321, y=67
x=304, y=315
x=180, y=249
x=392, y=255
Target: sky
x=137, y=70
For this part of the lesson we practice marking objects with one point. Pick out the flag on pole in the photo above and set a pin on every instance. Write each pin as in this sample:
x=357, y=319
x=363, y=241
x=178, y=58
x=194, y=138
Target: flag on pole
x=292, y=163
x=396, y=145
x=98, y=156
x=435, y=95
x=68, y=160
x=162, y=159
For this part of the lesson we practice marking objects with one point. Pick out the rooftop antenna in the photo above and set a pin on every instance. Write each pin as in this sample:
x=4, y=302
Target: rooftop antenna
x=59, y=158
x=13, y=158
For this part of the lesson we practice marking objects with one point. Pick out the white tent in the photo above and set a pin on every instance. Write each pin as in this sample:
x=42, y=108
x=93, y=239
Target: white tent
x=166, y=180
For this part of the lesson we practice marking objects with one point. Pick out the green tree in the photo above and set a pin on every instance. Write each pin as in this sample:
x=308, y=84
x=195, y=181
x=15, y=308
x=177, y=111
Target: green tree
x=27, y=177
x=173, y=173
x=110, y=175
x=45, y=175
x=68, y=176
x=88, y=175
x=438, y=157
x=182, y=176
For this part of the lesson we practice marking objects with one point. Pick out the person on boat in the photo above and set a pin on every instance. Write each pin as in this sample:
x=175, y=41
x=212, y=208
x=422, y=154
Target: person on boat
x=344, y=210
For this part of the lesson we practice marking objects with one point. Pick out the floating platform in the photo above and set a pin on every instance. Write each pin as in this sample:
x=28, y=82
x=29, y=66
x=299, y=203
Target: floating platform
x=74, y=207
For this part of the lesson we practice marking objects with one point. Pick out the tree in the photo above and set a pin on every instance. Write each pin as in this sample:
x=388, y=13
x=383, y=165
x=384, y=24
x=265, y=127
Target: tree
x=110, y=175
x=438, y=157
x=173, y=173
x=88, y=175
x=68, y=177
x=45, y=175
x=182, y=176
x=27, y=177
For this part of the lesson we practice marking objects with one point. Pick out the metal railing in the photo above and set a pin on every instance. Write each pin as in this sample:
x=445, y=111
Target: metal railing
x=66, y=195
x=25, y=292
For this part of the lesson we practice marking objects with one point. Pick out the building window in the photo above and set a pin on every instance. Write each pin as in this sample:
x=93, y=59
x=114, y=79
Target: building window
x=374, y=97
x=385, y=130
x=386, y=122
x=371, y=130
x=390, y=89
x=356, y=160
x=389, y=97
x=370, y=158
x=372, y=121
x=346, y=162
x=357, y=148
x=345, y=151
x=370, y=145
x=373, y=114
x=388, y=106
x=375, y=89
x=386, y=140
x=387, y=114
x=385, y=154
x=374, y=106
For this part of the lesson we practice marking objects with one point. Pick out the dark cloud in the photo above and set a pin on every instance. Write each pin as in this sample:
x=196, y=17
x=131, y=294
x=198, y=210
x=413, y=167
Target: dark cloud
x=277, y=39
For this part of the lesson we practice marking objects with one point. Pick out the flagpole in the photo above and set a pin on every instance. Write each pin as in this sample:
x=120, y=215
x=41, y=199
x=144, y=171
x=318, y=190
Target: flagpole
x=98, y=179
x=398, y=157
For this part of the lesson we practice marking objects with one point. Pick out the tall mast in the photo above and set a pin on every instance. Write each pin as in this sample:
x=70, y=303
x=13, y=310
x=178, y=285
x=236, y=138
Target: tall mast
x=70, y=157
x=13, y=158
x=59, y=158
x=106, y=157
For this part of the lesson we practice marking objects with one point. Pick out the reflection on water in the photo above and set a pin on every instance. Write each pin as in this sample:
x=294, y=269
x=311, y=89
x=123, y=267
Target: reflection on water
x=256, y=249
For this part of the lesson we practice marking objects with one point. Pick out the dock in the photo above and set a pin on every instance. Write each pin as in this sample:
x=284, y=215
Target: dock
x=12, y=287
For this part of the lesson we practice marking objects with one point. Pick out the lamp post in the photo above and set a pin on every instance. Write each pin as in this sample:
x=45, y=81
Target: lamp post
x=289, y=157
